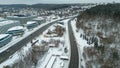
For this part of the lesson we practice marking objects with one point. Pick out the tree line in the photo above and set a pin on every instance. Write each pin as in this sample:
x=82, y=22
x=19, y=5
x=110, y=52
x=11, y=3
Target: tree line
x=106, y=10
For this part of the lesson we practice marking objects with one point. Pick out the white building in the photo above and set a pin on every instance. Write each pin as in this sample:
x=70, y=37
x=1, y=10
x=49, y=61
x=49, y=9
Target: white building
x=22, y=18
x=6, y=24
x=5, y=39
x=40, y=20
x=17, y=30
x=31, y=24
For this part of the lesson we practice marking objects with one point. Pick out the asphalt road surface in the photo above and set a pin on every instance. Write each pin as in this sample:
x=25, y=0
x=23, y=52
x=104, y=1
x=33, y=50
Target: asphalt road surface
x=74, y=59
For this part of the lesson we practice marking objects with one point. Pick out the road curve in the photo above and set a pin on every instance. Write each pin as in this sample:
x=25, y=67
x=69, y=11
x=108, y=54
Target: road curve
x=74, y=56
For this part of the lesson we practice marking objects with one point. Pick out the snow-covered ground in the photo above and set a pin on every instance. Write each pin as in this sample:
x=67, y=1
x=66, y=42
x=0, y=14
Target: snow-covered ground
x=49, y=58
x=56, y=52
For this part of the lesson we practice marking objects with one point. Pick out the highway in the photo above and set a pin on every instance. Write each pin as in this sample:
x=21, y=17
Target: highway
x=10, y=51
x=74, y=56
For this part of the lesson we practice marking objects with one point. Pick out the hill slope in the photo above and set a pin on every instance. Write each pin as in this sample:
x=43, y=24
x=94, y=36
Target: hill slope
x=102, y=22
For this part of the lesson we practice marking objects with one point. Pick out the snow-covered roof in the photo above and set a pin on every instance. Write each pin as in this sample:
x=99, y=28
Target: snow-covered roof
x=60, y=25
x=2, y=19
x=3, y=35
x=16, y=17
x=57, y=24
x=16, y=28
x=64, y=57
x=5, y=22
x=52, y=45
x=54, y=17
x=57, y=53
x=31, y=22
x=20, y=17
x=51, y=62
x=39, y=18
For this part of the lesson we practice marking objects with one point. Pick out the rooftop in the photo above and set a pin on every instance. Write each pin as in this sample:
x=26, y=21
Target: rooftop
x=3, y=35
x=39, y=18
x=31, y=22
x=16, y=28
x=6, y=22
x=2, y=19
x=21, y=16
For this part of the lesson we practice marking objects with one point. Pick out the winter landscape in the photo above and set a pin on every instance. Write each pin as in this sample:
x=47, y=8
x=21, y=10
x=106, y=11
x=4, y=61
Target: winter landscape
x=63, y=34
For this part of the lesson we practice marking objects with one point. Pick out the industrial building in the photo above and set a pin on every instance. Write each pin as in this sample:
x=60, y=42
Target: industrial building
x=5, y=39
x=40, y=20
x=17, y=30
x=6, y=24
x=22, y=18
x=2, y=19
x=31, y=24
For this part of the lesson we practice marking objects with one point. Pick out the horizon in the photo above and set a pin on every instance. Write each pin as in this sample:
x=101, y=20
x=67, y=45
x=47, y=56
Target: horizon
x=53, y=3
x=30, y=2
x=47, y=3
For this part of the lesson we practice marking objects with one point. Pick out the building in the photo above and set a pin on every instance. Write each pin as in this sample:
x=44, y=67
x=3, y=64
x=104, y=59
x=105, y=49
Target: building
x=22, y=18
x=6, y=24
x=40, y=20
x=5, y=39
x=2, y=19
x=60, y=22
x=17, y=30
x=64, y=57
x=31, y=24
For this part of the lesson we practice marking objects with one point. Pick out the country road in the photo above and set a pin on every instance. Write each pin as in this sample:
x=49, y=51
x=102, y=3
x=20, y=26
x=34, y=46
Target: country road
x=74, y=58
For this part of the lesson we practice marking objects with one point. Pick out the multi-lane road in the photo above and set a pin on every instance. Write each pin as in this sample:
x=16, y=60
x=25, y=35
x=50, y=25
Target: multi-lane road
x=74, y=56
x=7, y=53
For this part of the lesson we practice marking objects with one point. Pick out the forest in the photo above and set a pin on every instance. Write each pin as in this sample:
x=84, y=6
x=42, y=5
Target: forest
x=101, y=22
x=104, y=10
